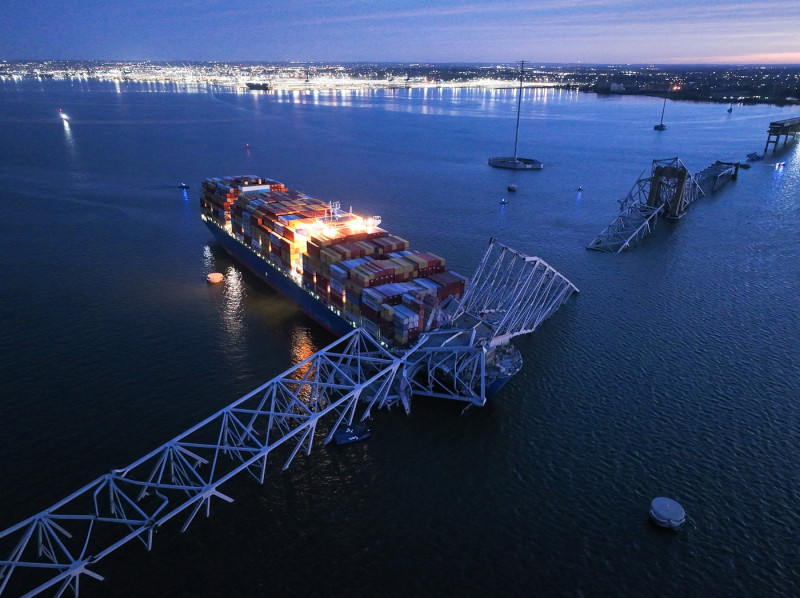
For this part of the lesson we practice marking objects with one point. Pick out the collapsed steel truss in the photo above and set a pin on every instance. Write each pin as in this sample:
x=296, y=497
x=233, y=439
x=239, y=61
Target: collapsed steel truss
x=54, y=548
x=669, y=190
x=512, y=293
x=337, y=385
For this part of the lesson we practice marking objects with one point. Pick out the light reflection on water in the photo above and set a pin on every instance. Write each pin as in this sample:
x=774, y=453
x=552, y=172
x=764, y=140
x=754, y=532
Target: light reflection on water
x=69, y=138
x=303, y=345
x=232, y=312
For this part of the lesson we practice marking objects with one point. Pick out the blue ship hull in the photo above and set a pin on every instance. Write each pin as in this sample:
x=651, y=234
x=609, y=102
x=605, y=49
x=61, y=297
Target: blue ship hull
x=282, y=282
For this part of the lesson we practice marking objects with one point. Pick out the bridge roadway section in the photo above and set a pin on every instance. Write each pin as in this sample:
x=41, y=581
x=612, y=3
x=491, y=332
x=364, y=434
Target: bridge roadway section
x=510, y=294
x=787, y=128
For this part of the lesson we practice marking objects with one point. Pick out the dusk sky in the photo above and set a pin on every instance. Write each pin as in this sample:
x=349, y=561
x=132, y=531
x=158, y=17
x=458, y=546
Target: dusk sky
x=588, y=31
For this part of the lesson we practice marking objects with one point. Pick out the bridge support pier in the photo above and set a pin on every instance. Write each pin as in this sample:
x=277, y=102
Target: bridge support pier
x=778, y=128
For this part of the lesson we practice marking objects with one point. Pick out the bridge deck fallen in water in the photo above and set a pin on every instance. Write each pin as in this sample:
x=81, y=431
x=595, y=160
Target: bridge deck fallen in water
x=668, y=190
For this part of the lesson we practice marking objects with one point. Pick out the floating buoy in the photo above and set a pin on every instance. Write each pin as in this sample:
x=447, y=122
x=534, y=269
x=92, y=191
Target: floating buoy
x=215, y=277
x=667, y=513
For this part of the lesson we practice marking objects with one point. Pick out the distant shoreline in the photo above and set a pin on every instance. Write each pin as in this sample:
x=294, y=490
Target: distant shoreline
x=741, y=85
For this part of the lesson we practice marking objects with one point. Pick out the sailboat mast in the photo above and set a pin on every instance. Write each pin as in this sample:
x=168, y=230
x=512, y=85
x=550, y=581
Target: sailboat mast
x=519, y=104
x=662, y=110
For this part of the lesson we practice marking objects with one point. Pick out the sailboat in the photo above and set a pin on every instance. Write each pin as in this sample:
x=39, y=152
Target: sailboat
x=661, y=126
x=731, y=108
x=515, y=162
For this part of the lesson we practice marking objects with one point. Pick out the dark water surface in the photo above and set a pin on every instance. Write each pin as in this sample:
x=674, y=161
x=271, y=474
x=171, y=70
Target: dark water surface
x=675, y=372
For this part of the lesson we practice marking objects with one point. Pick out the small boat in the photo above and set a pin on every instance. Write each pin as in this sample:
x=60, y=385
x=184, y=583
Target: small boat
x=503, y=201
x=731, y=108
x=345, y=434
x=183, y=186
x=661, y=126
x=754, y=157
x=215, y=277
x=512, y=188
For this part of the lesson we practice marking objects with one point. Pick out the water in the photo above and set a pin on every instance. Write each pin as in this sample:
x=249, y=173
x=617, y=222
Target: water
x=674, y=372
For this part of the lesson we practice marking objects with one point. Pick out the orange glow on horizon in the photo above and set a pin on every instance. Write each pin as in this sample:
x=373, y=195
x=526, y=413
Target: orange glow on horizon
x=765, y=59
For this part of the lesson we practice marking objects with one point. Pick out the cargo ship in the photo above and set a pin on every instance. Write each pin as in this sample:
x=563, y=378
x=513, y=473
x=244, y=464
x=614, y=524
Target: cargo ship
x=341, y=268
x=347, y=272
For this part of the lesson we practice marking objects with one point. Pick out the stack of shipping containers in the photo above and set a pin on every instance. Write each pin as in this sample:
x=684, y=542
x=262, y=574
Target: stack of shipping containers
x=368, y=276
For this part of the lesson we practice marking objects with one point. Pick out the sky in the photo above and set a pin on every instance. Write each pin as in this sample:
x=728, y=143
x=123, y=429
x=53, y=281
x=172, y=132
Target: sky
x=501, y=31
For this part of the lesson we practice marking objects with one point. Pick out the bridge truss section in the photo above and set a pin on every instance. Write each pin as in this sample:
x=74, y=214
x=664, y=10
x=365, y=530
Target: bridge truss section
x=717, y=176
x=55, y=549
x=512, y=293
x=669, y=189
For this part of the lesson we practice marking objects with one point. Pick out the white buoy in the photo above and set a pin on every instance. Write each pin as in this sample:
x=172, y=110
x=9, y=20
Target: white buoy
x=215, y=277
x=667, y=513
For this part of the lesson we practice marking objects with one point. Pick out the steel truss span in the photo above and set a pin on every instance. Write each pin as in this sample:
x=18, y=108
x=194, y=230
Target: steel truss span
x=669, y=190
x=512, y=293
x=53, y=549
x=340, y=384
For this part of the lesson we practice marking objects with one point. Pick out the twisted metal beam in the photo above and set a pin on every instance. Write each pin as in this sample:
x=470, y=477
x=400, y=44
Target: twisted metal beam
x=55, y=549
x=669, y=189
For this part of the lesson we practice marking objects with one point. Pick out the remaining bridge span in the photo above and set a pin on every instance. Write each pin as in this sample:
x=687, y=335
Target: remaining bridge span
x=788, y=129
x=467, y=361
x=669, y=190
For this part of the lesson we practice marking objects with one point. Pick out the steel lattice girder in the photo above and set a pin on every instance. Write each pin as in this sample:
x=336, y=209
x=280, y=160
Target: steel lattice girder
x=513, y=293
x=639, y=212
x=54, y=548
